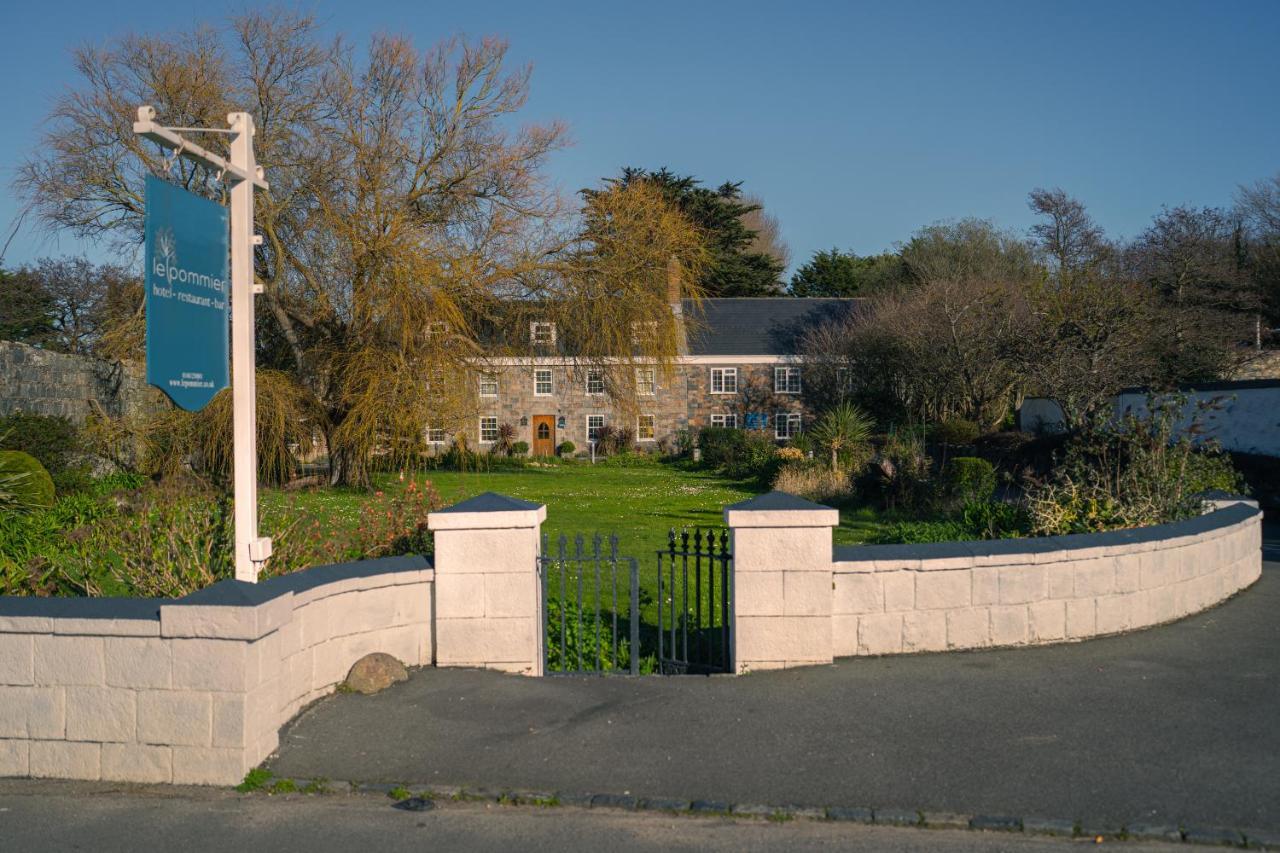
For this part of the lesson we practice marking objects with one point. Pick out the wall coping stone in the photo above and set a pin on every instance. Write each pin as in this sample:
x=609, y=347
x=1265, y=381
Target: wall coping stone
x=488, y=511
x=492, y=502
x=780, y=509
x=121, y=617
x=229, y=609
x=1135, y=539
x=317, y=576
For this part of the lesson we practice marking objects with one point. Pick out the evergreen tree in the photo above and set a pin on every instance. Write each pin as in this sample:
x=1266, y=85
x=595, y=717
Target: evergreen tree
x=733, y=269
x=837, y=273
x=26, y=310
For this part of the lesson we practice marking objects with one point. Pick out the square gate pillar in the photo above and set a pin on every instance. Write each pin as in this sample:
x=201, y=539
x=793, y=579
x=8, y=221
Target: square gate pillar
x=782, y=583
x=487, y=597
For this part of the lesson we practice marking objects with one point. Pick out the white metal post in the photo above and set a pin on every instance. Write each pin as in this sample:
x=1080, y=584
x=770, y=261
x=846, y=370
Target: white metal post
x=251, y=551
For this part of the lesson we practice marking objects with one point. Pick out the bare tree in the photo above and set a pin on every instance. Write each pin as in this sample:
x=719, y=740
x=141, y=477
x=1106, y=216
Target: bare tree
x=77, y=292
x=1069, y=238
x=942, y=349
x=768, y=232
x=1258, y=208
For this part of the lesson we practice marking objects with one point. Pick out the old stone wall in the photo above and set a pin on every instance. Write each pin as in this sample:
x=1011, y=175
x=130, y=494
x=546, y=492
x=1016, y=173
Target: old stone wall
x=39, y=382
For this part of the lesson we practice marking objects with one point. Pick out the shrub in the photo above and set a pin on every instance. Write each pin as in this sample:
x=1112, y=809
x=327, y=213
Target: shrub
x=966, y=479
x=757, y=460
x=903, y=471
x=802, y=442
x=988, y=519
x=1006, y=450
x=977, y=520
x=791, y=454
x=813, y=481
x=1142, y=470
x=566, y=448
x=1208, y=469
x=25, y=485
x=53, y=441
x=910, y=532
x=684, y=443
x=505, y=445
x=174, y=538
x=519, y=448
x=605, y=439
x=721, y=446
x=460, y=457
x=954, y=431
x=742, y=454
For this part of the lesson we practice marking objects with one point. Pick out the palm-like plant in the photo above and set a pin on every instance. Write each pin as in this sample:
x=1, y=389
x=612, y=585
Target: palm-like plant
x=841, y=428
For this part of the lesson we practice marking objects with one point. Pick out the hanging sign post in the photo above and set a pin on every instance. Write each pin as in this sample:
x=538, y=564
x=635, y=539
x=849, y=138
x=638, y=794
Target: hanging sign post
x=186, y=280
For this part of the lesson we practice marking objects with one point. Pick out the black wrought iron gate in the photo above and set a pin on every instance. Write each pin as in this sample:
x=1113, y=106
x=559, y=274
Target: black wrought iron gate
x=598, y=620
x=693, y=621
x=590, y=626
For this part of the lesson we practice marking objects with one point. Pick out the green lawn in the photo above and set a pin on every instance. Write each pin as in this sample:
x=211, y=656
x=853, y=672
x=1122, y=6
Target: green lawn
x=639, y=503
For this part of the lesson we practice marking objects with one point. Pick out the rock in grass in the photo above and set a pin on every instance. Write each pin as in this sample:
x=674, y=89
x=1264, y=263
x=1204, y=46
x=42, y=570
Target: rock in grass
x=375, y=672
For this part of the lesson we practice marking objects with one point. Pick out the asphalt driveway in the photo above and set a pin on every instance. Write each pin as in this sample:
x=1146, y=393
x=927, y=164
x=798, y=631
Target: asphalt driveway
x=1175, y=725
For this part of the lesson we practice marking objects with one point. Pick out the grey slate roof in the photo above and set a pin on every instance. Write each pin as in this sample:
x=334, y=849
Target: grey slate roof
x=758, y=326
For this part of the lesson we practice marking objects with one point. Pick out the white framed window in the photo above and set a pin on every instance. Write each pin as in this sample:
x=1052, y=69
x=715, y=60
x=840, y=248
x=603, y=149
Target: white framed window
x=488, y=429
x=488, y=385
x=786, y=425
x=542, y=333
x=727, y=421
x=594, y=422
x=724, y=380
x=435, y=435
x=595, y=382
x=645, y=428
x=786, y=380
x=542, y=384
x=646, y=381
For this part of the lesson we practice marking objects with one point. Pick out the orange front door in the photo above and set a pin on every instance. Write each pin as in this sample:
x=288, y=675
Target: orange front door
x=544, y=435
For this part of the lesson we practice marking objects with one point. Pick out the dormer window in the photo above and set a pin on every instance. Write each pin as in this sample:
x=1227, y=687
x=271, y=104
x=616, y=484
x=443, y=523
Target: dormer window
x=644, y=332
x=542, y=334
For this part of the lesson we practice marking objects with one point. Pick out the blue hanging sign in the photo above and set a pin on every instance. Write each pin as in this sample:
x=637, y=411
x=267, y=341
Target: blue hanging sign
x=188, y=286
x=757, y=420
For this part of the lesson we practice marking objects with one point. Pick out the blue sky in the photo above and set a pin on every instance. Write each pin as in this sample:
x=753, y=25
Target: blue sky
x=856, y=122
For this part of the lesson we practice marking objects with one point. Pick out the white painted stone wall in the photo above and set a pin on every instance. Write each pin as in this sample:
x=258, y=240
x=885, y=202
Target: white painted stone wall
x=194, y=691
x=1243, y=417
x=899, y=599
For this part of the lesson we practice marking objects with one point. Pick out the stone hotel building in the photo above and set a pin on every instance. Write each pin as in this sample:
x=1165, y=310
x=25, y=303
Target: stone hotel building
x=739, y=366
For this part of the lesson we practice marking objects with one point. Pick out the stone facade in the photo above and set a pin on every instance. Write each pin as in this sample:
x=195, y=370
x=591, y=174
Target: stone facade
x=682, y=399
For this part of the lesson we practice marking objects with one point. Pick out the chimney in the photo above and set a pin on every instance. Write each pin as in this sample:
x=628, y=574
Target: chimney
x=677, y=305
